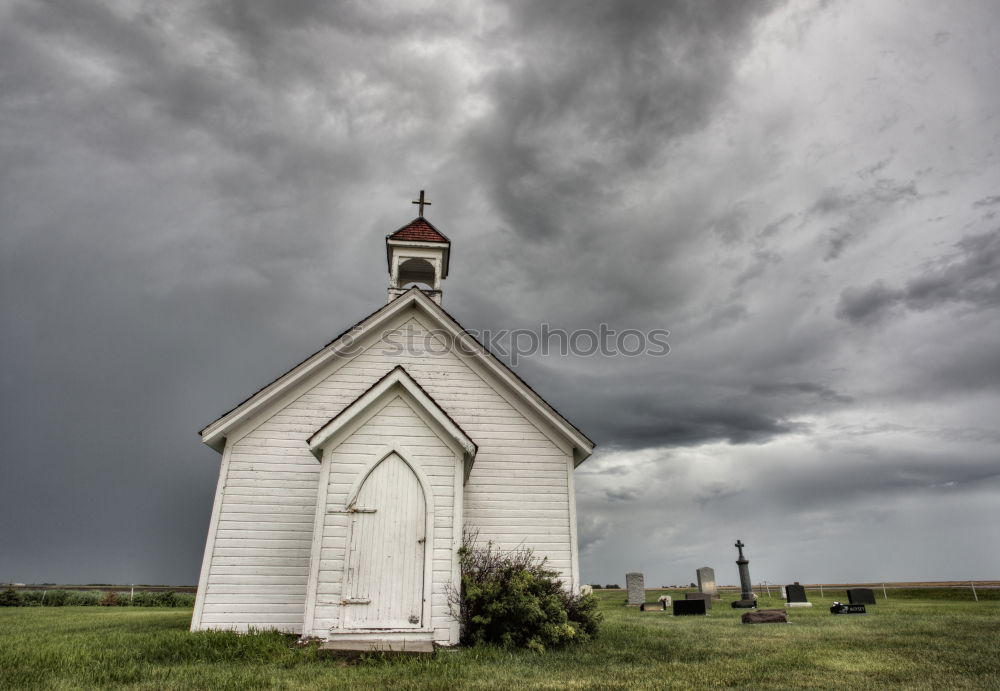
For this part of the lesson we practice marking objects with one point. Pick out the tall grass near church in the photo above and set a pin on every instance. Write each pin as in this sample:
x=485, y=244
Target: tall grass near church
x=922, y=642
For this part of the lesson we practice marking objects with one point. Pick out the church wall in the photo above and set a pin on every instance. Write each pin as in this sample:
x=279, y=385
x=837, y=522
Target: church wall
x=518, y=493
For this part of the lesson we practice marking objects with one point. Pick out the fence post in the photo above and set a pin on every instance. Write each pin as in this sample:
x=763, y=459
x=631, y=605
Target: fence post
x=821, y=590
x=885, y=595
x=131, y=595
x=973, y=585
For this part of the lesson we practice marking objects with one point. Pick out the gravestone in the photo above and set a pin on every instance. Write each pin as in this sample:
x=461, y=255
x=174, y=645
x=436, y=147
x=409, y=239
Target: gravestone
x=636, y=588
x=746, y=589
x=765, y=616
x=688, y=607
x=700, y=596
x=706, y=581
x=841, y=608
x=784, y=595
x=665, y=600
x=861, y=596
x=797, y=596
x=652, y=607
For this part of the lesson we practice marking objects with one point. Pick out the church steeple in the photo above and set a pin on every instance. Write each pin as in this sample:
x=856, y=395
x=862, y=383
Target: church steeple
x=417, y=254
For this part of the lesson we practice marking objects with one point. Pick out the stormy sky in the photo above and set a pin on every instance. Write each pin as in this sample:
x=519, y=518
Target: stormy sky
x=194, y=196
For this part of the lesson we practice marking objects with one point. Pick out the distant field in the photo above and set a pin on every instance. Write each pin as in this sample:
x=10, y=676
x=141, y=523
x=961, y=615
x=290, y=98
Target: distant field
x=112, y=587
x=930, y=641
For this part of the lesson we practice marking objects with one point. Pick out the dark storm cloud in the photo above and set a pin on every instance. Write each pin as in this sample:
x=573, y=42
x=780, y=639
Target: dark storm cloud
x=824, y=393
x=194, y=196
x=970, y=277
x=594, y=94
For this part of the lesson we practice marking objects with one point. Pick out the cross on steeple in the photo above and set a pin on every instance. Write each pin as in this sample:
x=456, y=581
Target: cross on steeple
x=421, y=203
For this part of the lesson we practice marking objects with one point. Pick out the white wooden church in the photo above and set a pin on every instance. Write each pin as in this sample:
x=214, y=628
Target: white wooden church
x=346, y=483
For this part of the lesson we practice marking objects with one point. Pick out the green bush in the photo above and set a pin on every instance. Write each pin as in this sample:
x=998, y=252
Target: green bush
x=512, y=599
x=82, y=598
x=54, y=598
x=31, y=598
x=10, y=598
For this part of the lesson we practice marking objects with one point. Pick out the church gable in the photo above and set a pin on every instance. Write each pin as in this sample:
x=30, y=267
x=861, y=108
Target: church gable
x=391, y=323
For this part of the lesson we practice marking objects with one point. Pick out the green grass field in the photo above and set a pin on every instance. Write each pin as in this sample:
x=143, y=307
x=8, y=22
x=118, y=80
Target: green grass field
x=922, y=640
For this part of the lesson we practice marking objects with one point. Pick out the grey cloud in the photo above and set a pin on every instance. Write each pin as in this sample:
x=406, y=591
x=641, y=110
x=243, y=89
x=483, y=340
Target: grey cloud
x=776, y=225
x=988, y=201
x=761, y=260
x=822, y=392
x=971, y=277
x=858, y=211
x=621, y=494
x=866, y=305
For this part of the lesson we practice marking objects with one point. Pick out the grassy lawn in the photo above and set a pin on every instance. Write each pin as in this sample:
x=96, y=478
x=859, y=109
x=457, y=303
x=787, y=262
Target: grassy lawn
x=924, y=641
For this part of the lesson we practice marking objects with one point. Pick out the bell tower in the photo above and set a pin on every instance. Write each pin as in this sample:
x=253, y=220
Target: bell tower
x=417, y=255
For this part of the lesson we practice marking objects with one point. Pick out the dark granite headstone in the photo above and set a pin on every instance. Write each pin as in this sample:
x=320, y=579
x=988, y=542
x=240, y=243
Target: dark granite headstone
x=861, y=596
x=707, y=597
x=652, y=607
x=744, y=604
x=765, y=616
x=686, y=607
x=841, y=608
x=796, y=593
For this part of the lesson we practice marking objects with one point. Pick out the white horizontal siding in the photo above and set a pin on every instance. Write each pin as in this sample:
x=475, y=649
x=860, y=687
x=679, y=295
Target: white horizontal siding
x=516, y=495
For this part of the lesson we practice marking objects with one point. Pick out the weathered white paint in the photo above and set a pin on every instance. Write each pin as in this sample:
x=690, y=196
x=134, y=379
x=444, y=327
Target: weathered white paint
x=384, y=577
x=274, y=556
x=393, y=418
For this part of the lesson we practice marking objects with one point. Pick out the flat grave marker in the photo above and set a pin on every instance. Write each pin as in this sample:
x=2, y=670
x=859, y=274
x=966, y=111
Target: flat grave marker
x=841, y=608
x=765, y=616
x=689, y=607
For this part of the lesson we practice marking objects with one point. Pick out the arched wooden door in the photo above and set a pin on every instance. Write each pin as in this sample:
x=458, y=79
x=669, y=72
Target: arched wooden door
x=384, y=583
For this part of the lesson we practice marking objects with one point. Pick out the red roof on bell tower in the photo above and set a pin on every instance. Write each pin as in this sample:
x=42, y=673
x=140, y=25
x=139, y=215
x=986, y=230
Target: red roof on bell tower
x=419, y=230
